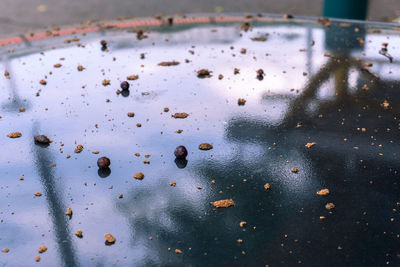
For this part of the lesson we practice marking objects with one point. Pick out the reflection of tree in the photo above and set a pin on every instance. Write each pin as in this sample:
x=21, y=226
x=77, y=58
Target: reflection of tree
x=56, y=206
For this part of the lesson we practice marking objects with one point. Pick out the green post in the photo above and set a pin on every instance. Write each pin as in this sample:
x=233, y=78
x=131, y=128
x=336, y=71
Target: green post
x=346, y=9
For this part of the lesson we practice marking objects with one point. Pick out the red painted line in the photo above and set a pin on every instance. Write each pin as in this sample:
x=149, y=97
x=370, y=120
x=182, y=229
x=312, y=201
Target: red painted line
x=129, y=24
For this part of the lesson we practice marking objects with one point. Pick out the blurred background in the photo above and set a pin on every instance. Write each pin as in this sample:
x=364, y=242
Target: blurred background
x=22, y=15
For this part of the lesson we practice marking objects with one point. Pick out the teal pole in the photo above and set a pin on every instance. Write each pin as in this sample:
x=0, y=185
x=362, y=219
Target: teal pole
x=346, y=9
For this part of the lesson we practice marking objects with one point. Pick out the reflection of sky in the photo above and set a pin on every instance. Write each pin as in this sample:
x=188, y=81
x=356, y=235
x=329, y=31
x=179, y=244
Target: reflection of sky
x=73, y=111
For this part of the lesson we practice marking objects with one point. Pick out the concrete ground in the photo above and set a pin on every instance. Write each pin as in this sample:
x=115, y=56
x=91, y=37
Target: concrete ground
x=20, y=15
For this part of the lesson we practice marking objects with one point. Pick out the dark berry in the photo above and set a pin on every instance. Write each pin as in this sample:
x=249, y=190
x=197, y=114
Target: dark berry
x=180, y=152
x=125, y=85
x=103, y=162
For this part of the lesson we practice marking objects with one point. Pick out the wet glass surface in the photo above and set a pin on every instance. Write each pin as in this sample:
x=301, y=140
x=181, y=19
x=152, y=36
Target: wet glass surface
x=315, y=89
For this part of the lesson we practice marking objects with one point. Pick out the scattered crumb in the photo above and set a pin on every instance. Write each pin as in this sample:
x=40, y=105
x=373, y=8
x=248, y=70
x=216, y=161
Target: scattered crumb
x=242, y=224
x=168, y=63
x=267, y=186
x=166, y=109
x=240, y=241
x=172, y=184
x=323, y=192
x=58, y=65
x=178, y=251
x=21, y=109
x=38, y=194
x=80, y=68
x=138, y=176
x=204, y=73
x=37, y=259
x=205, y=146
x=79, y=233
x=95, y=152
x=110, y=239
x=14, y=135
x=236, y=71
x=329, y=206
x=180, y=115
x=132, y=77
x=259, y=39
x=241, y=101
x=106, y=82
x=310, y=145
x=78, y=149
x=5, y=250
x=294, y=170
x=42, y=249
x=69, y=212
x=131, y=114
x=220, y=77
x=42, y=82
x=225, y=203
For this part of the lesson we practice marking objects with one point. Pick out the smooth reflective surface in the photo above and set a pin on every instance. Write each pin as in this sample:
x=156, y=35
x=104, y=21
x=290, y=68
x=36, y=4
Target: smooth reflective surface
x=305, y=96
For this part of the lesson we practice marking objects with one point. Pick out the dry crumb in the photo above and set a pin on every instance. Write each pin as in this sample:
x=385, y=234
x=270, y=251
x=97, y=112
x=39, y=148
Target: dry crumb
x=138, y=176
x=294, y=170
x=199, y=187
x=121, y=196
x=37, y=259
x=138, y=125
x=110, y=239
x=95, y=152
x=329, y=206
x=180, y=115
x=79, y=233
x=42, y=82
x=242, y=224
x=225, y=203
x=168, y=63
x=166, y=109
x=42, y=249
x=68, y=156
x=78, y=149
x=205, y=146
x=5, y=250
x=7, y=74
x=179, y=131
x=236, y=71
x=310, y=145
x=172, y=184
x=106, y=82
x=21, y=110
x=178, y=251
x=38, y=194
x=327, y=54
x=58, y=65
x=80, y=68
x=323, y=192
x=240, y=241
x=241, y=101
x=243, y=51
x=132, y=77
x=220, y=77
x=267, y=186
x=146, y=161
x=14, y=135
x=137, y=154
x=131, y=114
x=212, y=181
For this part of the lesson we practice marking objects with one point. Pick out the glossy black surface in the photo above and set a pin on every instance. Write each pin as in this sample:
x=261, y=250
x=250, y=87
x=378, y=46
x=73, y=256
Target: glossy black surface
x=356, y=155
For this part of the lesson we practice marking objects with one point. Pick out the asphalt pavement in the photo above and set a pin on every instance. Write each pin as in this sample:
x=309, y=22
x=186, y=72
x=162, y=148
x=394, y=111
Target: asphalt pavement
x=17, y=16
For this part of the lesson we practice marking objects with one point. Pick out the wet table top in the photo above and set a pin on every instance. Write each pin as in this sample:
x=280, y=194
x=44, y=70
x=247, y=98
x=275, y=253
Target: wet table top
x=322, y=114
